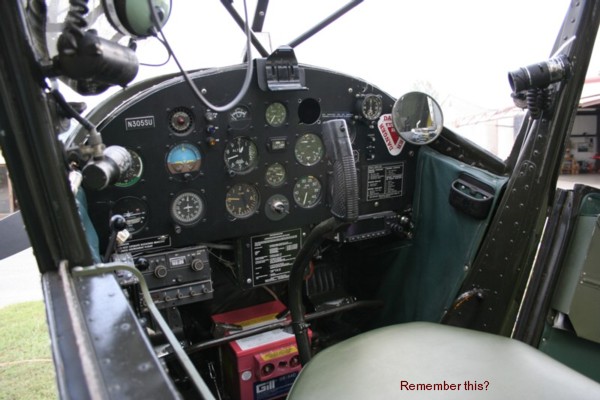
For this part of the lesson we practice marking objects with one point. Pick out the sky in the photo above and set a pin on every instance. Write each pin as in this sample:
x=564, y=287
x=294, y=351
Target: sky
x=460, y=51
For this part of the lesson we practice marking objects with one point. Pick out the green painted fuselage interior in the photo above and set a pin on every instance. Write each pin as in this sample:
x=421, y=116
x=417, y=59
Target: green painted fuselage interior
x=574, y=337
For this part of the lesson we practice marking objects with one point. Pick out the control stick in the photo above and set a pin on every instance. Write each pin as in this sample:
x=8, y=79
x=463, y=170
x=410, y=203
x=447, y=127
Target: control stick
x=117, y=224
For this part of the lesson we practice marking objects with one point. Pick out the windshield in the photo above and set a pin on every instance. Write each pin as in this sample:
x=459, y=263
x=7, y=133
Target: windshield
x=459, y=52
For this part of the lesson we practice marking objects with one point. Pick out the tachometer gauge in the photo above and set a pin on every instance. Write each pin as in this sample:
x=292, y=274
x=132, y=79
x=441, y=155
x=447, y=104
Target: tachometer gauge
x=241, y=155
x=187, y=208
x=309, y=149
x=184, y=158
x=135, y=212
x=180, y=121
x=276, y=114
x=242, y=200
x=370, y=106
x=134, y=173
x=307, y=191
x=275, y=175
x=239, y=117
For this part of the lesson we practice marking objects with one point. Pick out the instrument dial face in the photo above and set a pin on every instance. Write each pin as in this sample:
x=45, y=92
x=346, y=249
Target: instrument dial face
x=134, y=173
x=242, y=200
x=371, y=106
x=241, y=155
x=275, y=175
x=184, y=158
x=276, y=114
x=135, y=212
x=309, y=149
x=180, y=121
x=187, y=208
x=239, y=117
x=307, y=191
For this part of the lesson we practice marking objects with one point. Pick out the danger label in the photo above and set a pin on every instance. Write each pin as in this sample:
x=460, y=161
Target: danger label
x=391, y=138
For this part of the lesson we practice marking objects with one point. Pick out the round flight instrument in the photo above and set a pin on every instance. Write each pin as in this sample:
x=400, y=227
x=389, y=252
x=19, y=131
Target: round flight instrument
x=239, y=117
x=307, y=191
x=134, y=173
x=371, y=106
x=184, y=158
x=242, y=200
x=180, y=121
x=309, y=149
x=135, y=212
x=187, y=208
x=276, y=114
x=275, y=175
x=241, y=155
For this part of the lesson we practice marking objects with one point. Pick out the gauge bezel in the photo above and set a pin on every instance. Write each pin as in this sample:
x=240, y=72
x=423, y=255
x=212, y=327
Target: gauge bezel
x=188, y=128
x=303, y=159
x=318, y=197
x=269, y=170
x=146, y=212
x=249, y=211
x=197, y=215
x=195, y=170
x=250, y=165
x=379, y=107
x=237, y=124
x=281, y=114
x=136, y=170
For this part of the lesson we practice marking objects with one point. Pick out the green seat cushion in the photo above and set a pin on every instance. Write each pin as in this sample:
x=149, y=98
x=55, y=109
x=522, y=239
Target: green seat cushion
x=384, y=363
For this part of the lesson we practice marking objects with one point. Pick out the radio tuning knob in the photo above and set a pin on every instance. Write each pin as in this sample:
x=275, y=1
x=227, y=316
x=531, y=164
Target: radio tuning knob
x=197, y=265
x=160, y=271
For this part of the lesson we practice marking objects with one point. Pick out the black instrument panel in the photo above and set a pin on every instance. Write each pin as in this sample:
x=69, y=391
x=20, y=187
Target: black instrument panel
x=261, y=167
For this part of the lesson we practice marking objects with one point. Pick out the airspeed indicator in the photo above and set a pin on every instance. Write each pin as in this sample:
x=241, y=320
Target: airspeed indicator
x=307, y=191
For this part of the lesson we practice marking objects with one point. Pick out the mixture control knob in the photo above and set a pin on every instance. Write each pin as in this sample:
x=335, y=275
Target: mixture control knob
x=197, y=265
x=160, y=271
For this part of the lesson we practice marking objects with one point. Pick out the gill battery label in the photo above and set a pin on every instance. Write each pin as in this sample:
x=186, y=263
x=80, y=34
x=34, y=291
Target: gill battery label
x=393, y=142
x=274, y=388
x=139, y=123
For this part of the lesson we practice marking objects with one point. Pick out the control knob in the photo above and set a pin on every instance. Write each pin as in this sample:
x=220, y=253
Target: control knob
x=160, y=271
x=197, y=265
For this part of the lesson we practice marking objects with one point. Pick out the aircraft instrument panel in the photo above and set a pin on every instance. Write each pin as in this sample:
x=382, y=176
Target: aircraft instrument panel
x=257, y=170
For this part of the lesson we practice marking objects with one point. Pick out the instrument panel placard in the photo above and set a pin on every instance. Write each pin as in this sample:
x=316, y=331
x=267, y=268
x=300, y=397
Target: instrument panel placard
x=273, y=255
x=384, y=181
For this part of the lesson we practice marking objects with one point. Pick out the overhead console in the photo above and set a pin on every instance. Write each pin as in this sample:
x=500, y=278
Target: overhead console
x=256, y=175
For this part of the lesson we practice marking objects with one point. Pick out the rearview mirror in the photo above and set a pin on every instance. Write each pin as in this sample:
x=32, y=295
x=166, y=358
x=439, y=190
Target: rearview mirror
x=418, y=118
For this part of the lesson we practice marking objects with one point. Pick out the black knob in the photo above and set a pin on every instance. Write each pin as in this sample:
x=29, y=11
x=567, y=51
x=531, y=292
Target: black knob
x=117, y=223
x=142, y=264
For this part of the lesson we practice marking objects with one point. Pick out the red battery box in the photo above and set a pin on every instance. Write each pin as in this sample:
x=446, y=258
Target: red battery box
x=263, y=366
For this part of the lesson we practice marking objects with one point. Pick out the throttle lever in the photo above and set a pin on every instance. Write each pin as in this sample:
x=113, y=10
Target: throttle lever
x=343, y=185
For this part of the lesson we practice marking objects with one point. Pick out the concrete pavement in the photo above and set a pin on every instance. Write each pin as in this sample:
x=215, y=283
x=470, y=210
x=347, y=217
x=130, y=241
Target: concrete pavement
x=19, y=279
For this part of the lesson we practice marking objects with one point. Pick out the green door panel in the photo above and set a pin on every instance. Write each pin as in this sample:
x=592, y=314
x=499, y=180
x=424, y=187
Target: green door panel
x=423, y=279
